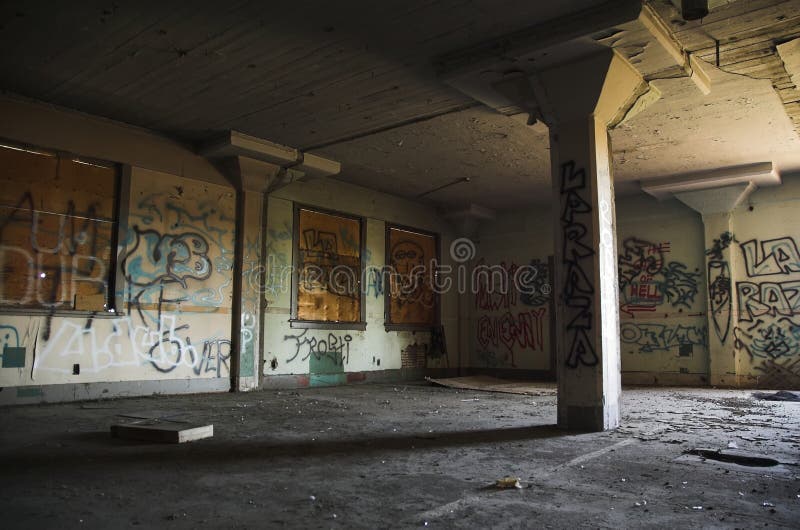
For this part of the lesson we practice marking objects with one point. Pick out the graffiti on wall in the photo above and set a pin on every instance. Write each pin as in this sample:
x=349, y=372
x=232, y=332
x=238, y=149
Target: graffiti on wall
x=576, y=256
x=535, y=286
x=278, y=270
x=177, y=268
x=771, y=257
x=768, y=323
x=648, y=280
x=251, y=279
x=164, y=347
x=9, y=337
x=510, y=318
x=719, y=285
x=653, y=338
x=333, y=346
x=512, y=331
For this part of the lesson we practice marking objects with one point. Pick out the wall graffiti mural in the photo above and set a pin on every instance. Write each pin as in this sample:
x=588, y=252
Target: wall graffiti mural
x=495, y=289
x=510, y=316
x=769, y=341
x=154, y=261
x=523, y=330
x=165, y=348
x=334, y=346
x=771, y=257
x=535, y=287
x=9, y=340
x=374, y=283
x=768, y=323
x=648, y=280
x=652, y=338
x=719, y=285
x=576, y=254
x=767, y=300
x=177, y=269
x=278, y=268
x=251, y=280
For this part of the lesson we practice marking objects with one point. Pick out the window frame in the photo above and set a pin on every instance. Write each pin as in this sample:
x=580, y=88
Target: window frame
x=387, y=291
x=114, y=303
x=298, y=323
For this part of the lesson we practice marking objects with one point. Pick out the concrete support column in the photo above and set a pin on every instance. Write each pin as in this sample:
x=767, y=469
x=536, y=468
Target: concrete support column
x=249, y=269
x=255, y=167
x=587, y=310
x=251, y=178
x=580, y=101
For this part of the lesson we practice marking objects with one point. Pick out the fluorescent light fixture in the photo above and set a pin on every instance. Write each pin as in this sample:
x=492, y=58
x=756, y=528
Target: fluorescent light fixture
x=237, y=144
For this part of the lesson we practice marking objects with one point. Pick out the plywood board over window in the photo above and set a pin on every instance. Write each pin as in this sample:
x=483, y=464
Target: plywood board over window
x=412, y=301
x=328, y=268
x=57, y=227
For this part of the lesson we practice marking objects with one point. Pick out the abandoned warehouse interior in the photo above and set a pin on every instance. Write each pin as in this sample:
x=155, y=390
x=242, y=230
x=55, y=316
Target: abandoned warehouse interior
x=282, y=220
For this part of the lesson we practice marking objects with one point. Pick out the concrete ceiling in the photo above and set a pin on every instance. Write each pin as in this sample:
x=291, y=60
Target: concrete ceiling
x=508, y=163
x=355, y=81
x=300, y=73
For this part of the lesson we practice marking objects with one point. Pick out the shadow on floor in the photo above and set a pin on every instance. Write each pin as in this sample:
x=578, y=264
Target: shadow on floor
x=101, y=448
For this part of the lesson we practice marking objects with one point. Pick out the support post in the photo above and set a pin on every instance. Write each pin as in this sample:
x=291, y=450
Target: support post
x=580, y=101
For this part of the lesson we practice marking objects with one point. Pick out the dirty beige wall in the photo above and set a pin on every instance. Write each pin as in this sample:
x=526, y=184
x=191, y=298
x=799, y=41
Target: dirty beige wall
x=663, y=323
x=510, y=292
x=662, y=293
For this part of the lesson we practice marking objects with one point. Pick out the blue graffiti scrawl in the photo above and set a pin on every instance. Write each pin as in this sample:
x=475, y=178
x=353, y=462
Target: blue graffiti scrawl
x=651, y=338
x=770, y=341
x=9, y=337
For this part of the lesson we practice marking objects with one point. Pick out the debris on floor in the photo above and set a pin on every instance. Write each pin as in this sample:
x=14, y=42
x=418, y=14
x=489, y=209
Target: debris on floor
x=486, y=383
x=508, y=483
x=782, y=395
x=733, y=458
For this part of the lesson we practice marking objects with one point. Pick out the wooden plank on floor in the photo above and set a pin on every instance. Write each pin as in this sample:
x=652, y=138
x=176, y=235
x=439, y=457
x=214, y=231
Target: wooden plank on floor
x=176, y=433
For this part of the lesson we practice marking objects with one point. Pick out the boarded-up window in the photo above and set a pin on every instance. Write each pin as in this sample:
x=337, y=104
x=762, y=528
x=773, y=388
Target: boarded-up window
x=328, y=267
x=412, y=258
x=56, y=230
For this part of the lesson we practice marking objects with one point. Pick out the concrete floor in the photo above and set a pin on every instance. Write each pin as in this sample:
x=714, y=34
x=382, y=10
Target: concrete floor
x=378, y=456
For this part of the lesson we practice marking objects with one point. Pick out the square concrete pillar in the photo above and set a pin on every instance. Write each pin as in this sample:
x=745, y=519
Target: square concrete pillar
x=581, y=100
x=249, y=266
x=587, y=306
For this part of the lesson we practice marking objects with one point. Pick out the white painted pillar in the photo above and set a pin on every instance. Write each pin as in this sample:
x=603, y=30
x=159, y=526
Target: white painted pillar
x=583, y=99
